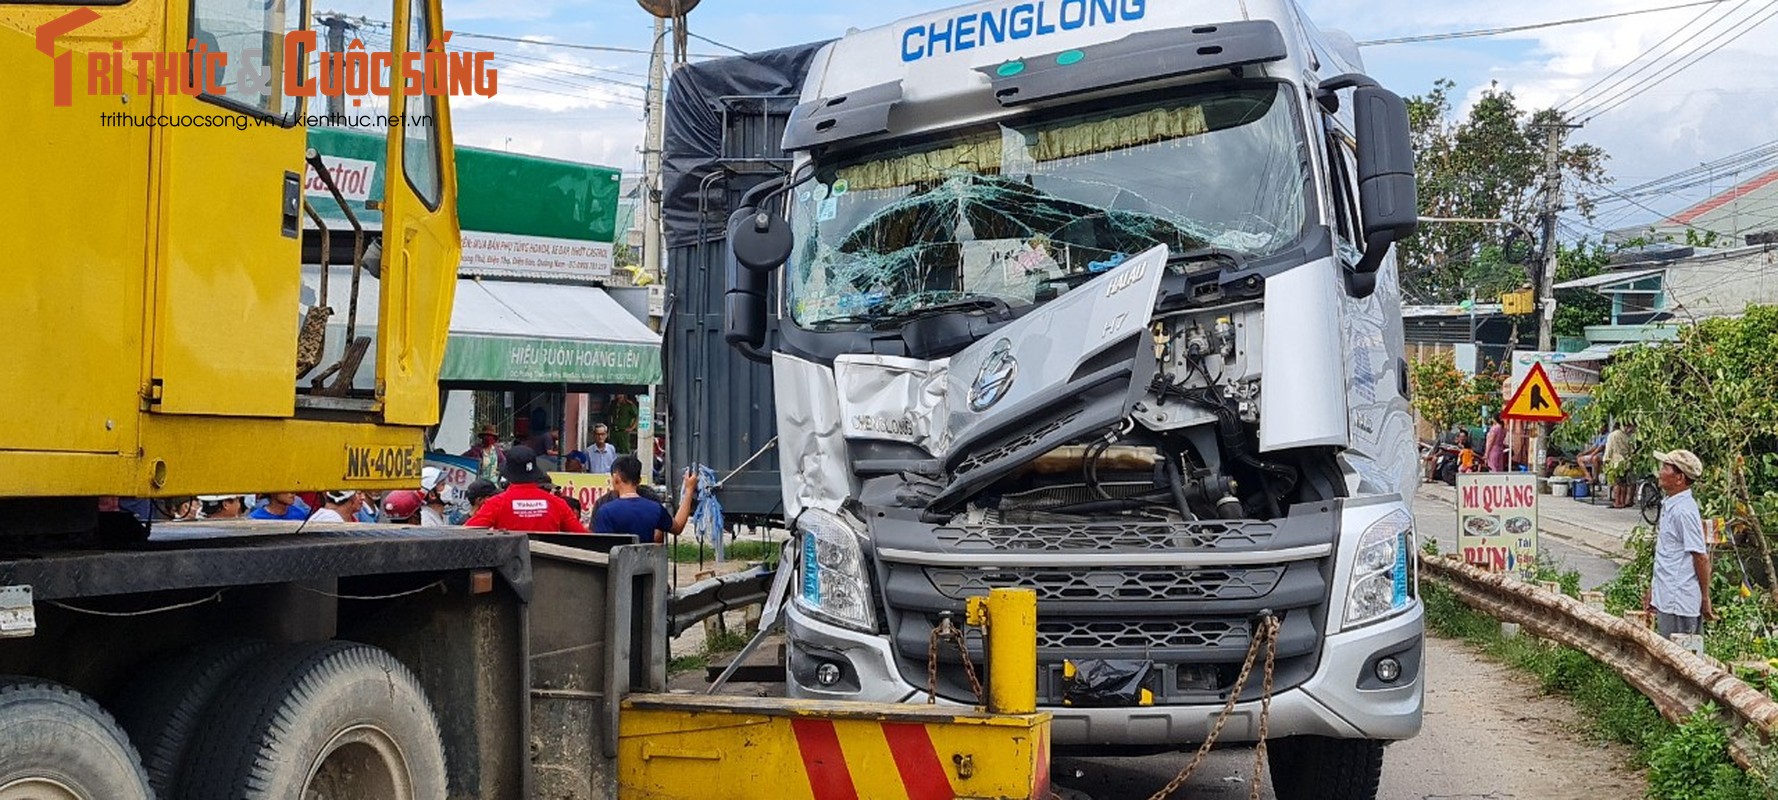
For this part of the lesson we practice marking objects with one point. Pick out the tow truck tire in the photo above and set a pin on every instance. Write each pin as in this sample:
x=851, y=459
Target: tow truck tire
x=318, y=721
x=1319, y=768
x=58, y=744
x=162, y=707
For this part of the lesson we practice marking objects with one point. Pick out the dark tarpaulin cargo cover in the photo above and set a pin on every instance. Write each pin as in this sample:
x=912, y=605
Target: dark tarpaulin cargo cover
x=720, y=404
x=693, y=145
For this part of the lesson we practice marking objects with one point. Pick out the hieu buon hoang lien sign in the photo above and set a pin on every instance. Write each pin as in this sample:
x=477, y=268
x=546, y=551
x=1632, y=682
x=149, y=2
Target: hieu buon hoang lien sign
x=1497, y=520
x=549, y=360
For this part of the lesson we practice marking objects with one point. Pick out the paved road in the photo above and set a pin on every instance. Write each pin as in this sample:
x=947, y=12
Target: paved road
x=1488, y=736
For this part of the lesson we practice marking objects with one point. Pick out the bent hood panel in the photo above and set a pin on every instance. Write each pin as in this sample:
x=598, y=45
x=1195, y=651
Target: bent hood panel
x=1073, y=366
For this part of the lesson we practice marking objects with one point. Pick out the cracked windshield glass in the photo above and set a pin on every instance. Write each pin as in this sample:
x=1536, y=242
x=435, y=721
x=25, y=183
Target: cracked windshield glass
x=1022, y=211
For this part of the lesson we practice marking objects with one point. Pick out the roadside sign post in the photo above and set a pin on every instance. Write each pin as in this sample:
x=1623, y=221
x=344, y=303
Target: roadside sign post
x=1536, y=401
x=1497, y=521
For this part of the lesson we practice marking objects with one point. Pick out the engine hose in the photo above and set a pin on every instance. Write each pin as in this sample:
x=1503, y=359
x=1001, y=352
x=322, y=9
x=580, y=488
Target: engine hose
x=1176, y=481
x=1109, y=506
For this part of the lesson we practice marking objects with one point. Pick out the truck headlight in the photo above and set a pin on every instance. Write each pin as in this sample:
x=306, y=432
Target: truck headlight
x=1382, y=578
x=832, y=571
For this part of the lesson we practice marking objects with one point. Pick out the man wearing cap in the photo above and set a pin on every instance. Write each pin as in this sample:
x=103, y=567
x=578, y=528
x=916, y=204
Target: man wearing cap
x=487, y=453
x=1679, y=596
x=525, y=505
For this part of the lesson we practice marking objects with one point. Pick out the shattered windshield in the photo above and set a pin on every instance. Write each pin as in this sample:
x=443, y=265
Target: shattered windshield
x=1019, y=212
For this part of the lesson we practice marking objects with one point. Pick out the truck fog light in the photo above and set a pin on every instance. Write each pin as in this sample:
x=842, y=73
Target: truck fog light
x=828, y=673
x=1388, y=669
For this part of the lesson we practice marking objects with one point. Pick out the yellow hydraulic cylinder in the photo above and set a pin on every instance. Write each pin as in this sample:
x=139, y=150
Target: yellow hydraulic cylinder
x=1011, y=618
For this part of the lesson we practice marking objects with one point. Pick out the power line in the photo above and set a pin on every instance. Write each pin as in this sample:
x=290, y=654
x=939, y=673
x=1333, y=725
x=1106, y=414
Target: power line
x=1770, y=9
x=1474, y=34
x=1617, y=77
x=708, y=40
x=575, y=46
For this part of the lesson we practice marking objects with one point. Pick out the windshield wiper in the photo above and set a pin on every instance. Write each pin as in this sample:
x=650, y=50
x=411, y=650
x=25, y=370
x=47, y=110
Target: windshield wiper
x=1183, y=257
x=886, y=319
x=975, y=302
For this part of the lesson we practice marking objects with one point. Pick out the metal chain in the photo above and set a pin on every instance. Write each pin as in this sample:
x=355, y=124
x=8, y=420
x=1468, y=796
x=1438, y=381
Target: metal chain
x=932, y=668
x=1265, y=706
x=1265, y=633
x=943, y=631
x=975, y=684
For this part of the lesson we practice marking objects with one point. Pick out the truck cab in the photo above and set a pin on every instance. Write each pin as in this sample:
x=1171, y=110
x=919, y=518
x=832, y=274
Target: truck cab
x=1096, y=298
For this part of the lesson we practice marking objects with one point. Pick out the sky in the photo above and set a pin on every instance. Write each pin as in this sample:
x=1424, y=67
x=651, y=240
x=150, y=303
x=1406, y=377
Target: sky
x=587, y=105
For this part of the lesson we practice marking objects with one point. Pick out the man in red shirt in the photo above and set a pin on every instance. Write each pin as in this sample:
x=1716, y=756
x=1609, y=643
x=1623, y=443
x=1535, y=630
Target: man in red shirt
x=526, y=506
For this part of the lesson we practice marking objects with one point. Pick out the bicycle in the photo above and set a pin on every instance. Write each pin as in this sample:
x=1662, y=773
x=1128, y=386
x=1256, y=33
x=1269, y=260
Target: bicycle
x=1646, y=494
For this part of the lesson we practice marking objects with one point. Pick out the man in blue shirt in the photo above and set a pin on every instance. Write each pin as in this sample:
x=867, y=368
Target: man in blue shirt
x=601, y=454
x=1679, y=595
x=284, y=505
x=630, y=512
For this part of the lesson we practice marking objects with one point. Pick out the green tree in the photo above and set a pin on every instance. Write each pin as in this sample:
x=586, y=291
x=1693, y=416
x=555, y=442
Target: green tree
x=1714, y=391
x=1578, y=308
x=1446, y=396
x=1487, y=165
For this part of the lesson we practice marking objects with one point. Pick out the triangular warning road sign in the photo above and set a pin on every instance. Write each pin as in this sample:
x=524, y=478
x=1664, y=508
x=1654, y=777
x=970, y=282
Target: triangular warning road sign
x=1536, y=399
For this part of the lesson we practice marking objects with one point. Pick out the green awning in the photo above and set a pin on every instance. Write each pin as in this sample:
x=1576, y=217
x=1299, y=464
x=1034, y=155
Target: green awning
x=511, y=332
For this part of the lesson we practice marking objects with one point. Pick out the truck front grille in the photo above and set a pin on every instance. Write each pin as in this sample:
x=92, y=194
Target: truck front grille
x=1221, y=583
x=1192, y=623
x=1141, y=636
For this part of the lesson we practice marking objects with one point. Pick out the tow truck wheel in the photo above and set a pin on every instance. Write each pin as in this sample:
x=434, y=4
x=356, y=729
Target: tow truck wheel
x=320, y=721
x=163, y=706
x=58, y=744
x=1319, y=768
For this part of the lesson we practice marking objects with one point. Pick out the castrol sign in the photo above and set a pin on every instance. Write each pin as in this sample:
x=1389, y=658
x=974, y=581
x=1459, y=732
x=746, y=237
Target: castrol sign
x=351, y=175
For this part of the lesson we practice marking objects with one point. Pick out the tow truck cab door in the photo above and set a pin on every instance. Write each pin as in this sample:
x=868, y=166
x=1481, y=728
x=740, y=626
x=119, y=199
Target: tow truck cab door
x=421, y=240
x=231, y=223
x=228, y=232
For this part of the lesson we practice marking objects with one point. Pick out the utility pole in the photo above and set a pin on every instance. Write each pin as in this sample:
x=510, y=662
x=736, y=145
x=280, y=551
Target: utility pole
x=1546, y=288
x=652, y=240
x=336, y=26
x=651, y=155
x=1546, y=279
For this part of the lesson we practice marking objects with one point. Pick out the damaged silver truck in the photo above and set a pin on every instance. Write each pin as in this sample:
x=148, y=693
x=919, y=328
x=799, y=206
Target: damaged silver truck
x=1096, y=297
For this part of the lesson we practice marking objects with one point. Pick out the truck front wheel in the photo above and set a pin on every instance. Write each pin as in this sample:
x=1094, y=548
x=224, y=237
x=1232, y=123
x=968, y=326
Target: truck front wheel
x=322, y=721
x=58, y=744
x=1319, y=768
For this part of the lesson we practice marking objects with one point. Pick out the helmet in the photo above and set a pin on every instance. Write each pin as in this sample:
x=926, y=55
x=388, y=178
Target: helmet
x=430, y=477
x=403, y=505
x=341, y=497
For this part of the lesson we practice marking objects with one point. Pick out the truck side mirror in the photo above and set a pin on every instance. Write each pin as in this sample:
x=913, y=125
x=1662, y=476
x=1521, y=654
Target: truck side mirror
x=744, y=299
x=1387, y=197
x=759, y=239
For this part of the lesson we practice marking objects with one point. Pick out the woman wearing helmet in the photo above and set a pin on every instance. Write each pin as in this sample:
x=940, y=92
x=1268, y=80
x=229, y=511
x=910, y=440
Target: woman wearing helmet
x=403, y=507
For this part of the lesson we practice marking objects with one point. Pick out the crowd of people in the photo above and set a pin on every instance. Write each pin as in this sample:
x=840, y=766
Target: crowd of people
x=1603, y=462
x=519, y=497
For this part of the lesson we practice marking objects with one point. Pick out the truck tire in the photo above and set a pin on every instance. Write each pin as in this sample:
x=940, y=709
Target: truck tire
x=162, y=707
x=58, y=744
x=1319, y=768
x=318, y=721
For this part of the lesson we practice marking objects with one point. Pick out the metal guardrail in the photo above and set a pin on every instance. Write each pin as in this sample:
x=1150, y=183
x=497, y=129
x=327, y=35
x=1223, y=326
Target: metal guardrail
x=690, y=605
x=1675, y=679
